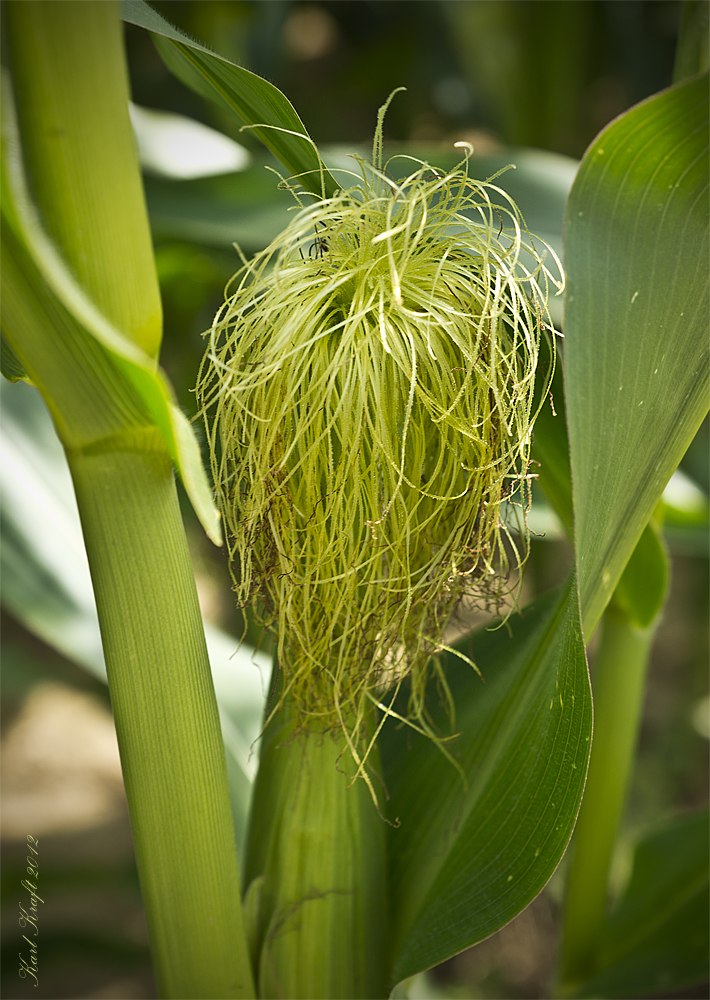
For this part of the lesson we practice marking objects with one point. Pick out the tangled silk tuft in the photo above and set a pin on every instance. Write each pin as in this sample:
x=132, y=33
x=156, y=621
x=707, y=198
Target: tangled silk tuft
x=368, y=394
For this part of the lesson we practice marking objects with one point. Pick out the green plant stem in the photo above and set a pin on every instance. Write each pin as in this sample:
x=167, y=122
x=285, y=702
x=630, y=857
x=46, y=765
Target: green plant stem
x=68, y=66
x=166, y=720
x=316, y=906
x=71, y=94
x=158, y=670
x=618, y=684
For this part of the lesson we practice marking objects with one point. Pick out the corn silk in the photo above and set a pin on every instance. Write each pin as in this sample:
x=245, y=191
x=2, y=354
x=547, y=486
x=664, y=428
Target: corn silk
x=368, y=397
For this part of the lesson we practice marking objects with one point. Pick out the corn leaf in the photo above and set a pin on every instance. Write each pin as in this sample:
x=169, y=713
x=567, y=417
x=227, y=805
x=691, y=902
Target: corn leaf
x=44, y=573
x=467, y=857
x=256, y=101
x=636, y=375
x=245, y=208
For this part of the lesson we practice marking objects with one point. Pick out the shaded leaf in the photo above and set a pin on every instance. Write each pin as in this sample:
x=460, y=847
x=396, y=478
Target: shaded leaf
x=691, y=55
x=636, y=375
x=44, y=570
x=256, y=101
x=642, y=589
x=10, y=365
x=551, y=447
x=658, y=936
x=245, y=208
x=465, y=860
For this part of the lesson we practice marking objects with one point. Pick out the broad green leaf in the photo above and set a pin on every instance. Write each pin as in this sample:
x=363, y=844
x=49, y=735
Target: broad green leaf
x=467, y=857
x=257, y=102
x=642, y=587
x=636, y=346
x=657, y=937
x=41, y=292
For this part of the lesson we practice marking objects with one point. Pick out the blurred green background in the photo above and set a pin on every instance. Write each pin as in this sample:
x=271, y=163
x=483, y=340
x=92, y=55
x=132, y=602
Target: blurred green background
x=547, y=74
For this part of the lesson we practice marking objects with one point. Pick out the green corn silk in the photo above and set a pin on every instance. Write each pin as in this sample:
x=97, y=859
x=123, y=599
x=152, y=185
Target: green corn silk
x=368, y=394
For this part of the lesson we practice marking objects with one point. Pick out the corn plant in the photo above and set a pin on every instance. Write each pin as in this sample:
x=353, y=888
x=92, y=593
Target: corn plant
x=374, y=389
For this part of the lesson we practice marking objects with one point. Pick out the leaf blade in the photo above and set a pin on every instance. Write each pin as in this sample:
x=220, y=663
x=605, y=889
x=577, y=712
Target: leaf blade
x=636, y=322
x=487, y=852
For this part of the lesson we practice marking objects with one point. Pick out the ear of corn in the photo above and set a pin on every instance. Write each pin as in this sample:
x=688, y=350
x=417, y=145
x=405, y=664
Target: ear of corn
x=368, y=389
